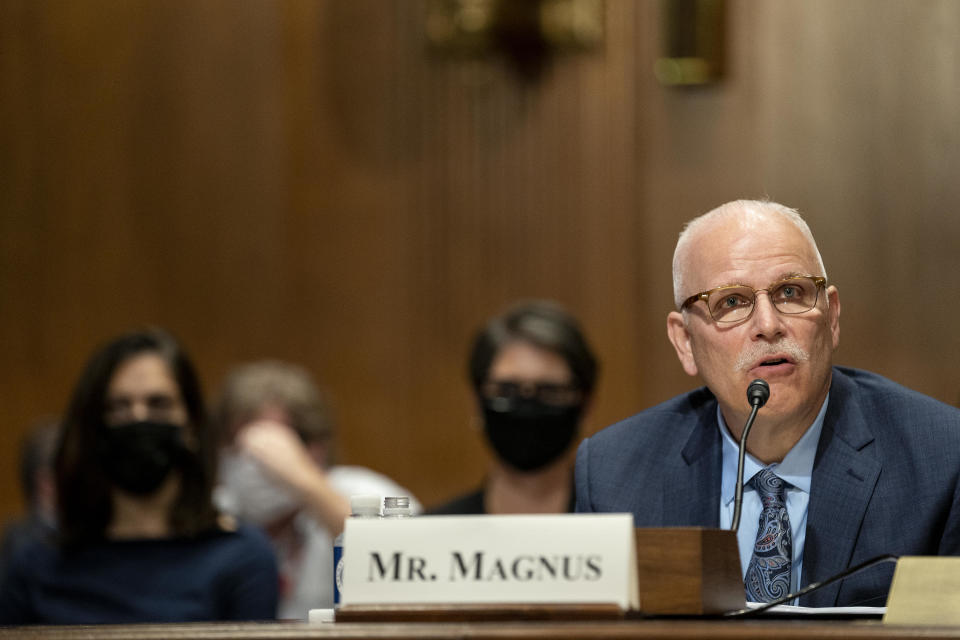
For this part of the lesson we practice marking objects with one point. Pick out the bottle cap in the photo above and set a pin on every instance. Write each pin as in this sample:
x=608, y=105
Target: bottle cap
x=396, y=506
x=365, y=505
x=396, y=502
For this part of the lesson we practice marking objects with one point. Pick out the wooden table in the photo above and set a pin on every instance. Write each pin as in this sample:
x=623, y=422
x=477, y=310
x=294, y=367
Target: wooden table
x=672, y=629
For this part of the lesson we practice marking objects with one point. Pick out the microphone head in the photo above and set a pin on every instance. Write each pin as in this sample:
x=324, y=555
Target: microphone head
x=758, y=393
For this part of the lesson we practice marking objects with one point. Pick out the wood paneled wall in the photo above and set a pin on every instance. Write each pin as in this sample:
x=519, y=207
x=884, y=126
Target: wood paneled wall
x=304, y=180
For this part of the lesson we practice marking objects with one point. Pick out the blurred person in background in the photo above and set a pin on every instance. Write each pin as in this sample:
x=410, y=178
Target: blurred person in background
x=139, y=539
x=39, y=490
x=533, y=374
x=276, y=471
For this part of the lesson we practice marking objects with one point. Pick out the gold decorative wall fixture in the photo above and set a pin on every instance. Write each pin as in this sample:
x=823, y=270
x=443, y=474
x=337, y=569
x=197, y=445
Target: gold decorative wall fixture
x=527, y=32
x=692, y=42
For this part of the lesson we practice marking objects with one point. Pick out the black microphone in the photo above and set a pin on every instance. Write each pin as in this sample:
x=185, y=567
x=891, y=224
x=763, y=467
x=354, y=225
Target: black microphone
x=757, y=395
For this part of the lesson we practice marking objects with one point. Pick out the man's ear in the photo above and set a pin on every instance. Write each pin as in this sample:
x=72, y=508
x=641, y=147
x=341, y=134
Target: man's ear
x=833, y=311
x=680, y=339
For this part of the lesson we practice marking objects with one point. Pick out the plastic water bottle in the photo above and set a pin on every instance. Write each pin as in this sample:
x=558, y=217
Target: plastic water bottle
x=362, y=506
x=396, y=507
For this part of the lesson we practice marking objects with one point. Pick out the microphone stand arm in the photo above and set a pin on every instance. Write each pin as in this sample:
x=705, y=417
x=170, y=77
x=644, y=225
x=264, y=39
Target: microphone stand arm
x=738, y=495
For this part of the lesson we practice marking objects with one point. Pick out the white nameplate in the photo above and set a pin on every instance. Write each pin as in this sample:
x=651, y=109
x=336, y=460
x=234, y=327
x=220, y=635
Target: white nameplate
x=571, y=558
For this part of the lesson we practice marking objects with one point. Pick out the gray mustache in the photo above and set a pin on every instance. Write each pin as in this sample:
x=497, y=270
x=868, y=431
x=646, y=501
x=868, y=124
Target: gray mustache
x=760, y=350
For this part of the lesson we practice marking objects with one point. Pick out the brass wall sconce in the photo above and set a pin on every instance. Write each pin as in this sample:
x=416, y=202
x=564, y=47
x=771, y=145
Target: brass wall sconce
x=527, y=32
x=692, y=33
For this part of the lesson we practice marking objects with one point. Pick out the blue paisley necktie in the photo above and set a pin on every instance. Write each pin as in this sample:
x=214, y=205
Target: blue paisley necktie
x=768, y=574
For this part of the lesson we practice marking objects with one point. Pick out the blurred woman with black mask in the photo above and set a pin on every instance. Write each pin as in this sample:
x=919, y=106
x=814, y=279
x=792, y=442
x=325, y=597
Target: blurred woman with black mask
x=139, y=539
x=533, y=375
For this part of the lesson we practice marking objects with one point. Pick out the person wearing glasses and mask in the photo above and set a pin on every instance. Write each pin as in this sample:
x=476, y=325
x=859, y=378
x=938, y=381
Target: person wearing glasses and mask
x=138, y=538
x=843, y=465
x=533, y=374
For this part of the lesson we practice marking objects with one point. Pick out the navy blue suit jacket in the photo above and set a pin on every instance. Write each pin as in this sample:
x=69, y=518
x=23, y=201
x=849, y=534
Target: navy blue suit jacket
x=886, y=478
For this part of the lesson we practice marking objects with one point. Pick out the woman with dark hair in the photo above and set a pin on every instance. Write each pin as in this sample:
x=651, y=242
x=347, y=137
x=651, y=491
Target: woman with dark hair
x=533, y=374
x=139, y=539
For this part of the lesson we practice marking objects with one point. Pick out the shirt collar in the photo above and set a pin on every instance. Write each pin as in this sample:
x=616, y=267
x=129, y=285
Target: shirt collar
x=796, y=468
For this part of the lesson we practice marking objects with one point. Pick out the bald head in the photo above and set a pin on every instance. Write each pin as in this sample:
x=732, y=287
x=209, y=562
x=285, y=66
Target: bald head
x=745, y=216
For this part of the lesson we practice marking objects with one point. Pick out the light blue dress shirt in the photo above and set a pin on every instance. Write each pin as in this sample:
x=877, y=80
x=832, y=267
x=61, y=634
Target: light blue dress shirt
x=796, y=470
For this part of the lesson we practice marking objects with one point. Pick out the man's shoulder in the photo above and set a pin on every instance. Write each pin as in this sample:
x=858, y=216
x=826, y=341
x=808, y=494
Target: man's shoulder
x=696, y=403
x=866, y=406
x=657, y=433
x=624, y=467
x=876, y=393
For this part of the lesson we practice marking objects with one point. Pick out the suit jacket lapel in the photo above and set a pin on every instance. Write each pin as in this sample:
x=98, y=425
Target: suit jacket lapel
x=692, y=488
x=844, y=476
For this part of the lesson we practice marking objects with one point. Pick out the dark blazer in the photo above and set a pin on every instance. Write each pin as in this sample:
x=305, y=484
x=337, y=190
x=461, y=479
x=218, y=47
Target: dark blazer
x=886, y=478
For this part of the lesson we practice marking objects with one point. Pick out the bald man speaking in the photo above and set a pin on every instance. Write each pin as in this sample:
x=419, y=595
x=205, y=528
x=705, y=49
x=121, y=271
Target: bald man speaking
x=843, y=465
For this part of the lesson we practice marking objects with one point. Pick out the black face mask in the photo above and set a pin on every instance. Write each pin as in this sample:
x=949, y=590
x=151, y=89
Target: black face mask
x=528, y=434
x=138, y=456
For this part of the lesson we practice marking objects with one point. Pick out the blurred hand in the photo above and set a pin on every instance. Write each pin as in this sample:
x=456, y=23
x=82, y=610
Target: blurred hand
x=280, y=450
x=283, y=454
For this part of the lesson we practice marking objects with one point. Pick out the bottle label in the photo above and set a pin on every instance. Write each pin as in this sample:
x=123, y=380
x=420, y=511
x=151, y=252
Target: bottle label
x=337, y=573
